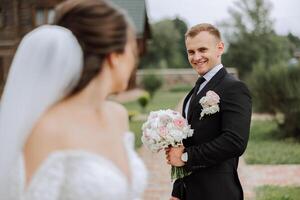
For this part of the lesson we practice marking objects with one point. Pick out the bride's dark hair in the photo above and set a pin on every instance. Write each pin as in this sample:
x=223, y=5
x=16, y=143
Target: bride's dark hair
x=99, y=26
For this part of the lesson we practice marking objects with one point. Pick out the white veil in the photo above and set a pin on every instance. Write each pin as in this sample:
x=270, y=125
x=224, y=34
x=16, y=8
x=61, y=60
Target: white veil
x=47, y=65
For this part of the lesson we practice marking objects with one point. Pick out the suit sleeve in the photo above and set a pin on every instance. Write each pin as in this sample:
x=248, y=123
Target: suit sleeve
x=235, y=110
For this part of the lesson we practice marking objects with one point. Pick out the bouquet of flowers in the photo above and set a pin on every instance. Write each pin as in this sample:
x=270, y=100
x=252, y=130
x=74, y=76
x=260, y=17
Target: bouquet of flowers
x=166, y=128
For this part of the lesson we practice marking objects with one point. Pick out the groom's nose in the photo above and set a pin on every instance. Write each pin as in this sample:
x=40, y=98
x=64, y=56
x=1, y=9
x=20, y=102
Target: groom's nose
x=197, y=56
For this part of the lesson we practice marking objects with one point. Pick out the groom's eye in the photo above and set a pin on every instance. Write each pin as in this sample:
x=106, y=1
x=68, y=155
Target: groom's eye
x=190, y=52
x=202, y=50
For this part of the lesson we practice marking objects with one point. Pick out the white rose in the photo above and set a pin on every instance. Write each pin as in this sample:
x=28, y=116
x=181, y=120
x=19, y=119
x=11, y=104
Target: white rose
x=214, y=109
x=170, y=126
x=190, y=133
x=154, y=124
x=170, y=139
x=153, y=135
x=177, y=135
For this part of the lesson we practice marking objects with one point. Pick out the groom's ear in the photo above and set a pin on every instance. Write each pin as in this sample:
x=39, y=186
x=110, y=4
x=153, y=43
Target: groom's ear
x=220, y=48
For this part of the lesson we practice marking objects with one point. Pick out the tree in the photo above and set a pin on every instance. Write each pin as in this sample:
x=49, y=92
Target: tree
x=276, y=91
x=294, y=41
x=167, y=48
x=182, y=28
x=252, y=39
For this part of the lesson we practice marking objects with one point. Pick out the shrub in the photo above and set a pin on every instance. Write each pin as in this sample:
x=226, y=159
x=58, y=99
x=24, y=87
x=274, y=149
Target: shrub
x=277, y=90
x=152, y=83
x=132, y=114
x=143, y=100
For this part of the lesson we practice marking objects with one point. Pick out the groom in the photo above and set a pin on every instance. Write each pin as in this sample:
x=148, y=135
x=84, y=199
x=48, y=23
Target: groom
x=220, y=133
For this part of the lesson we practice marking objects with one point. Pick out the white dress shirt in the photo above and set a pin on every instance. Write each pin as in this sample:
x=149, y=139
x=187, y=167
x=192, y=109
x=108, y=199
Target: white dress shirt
x=208, y=76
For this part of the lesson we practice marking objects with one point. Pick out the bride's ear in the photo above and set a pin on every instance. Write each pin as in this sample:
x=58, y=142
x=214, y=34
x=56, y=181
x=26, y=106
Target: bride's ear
x=113, y=60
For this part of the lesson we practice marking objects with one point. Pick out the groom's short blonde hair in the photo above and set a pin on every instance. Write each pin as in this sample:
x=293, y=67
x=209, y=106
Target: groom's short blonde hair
x=195, y=30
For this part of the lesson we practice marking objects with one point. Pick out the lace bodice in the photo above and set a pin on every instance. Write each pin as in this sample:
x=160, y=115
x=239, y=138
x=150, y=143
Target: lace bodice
x=78, y=175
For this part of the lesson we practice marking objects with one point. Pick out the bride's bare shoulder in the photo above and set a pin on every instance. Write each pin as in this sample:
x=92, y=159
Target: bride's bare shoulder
x=119, y=112
x=117, y=107
x=47, y=131
x=54, y=126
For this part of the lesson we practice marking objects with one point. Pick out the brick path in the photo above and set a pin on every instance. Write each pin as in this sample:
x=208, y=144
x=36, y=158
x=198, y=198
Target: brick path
x=251, y=176
x=159, y=183
x=258, y=175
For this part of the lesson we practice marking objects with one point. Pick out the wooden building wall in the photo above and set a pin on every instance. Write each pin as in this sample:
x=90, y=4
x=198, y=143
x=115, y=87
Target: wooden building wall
x=18, y=17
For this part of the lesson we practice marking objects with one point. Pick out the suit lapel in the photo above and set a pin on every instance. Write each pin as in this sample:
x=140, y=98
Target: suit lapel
x=209, y=86
x=186, y=100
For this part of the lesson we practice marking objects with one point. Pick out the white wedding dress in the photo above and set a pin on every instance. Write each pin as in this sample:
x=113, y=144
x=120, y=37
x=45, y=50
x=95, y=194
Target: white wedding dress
x=82, y=175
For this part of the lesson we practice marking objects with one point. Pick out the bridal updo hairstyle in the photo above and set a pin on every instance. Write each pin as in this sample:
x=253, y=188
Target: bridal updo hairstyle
x=100, y=28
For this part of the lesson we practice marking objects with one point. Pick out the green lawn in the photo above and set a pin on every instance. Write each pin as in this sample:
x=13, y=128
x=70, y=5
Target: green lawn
x=277, y=193
x=161, y=100
x=135, y=127
x=265, y=147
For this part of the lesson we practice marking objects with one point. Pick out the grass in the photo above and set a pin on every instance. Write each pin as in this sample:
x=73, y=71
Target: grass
x=135, y=127
x=266, y=147
x=161, y=100
x=277, y=193
x=181, y=88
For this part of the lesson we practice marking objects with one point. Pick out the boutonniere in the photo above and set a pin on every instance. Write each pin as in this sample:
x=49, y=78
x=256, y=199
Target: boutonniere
x=210, y=103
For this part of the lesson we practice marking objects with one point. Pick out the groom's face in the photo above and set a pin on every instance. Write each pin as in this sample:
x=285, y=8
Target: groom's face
x=204, y=51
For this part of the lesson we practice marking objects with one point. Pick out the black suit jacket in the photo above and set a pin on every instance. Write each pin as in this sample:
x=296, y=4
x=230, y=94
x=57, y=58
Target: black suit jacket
x=218, y=141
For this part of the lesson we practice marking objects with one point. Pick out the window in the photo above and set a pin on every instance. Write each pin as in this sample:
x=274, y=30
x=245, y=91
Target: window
x=44, y=16
x=51, y=14
x=39, y=17
x=1, y=18
x=1, y=75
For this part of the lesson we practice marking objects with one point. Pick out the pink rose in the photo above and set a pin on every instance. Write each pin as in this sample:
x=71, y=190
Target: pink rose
x=164, y=119
x=162, y=131
x=179, y=122
x=153, y=116
x=146, y=135
x=212, y=98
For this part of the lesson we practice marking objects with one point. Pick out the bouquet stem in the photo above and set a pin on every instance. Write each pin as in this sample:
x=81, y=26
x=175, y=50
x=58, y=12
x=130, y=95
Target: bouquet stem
x=178, y=172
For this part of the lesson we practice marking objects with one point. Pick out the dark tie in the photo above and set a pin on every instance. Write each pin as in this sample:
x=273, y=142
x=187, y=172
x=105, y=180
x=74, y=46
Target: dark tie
x=196, y=88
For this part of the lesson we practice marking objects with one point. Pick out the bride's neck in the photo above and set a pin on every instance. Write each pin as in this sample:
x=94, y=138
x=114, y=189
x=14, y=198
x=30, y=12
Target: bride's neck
x=96, y=92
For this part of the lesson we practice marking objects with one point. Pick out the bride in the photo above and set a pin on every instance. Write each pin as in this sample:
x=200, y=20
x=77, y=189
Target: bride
x=61, y=139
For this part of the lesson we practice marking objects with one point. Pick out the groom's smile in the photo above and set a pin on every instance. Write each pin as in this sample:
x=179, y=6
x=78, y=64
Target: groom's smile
x=200, y=63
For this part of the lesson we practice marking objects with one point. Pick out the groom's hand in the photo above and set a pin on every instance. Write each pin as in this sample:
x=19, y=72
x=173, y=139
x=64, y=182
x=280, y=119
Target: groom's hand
x=174, y=198
x=173, y=156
